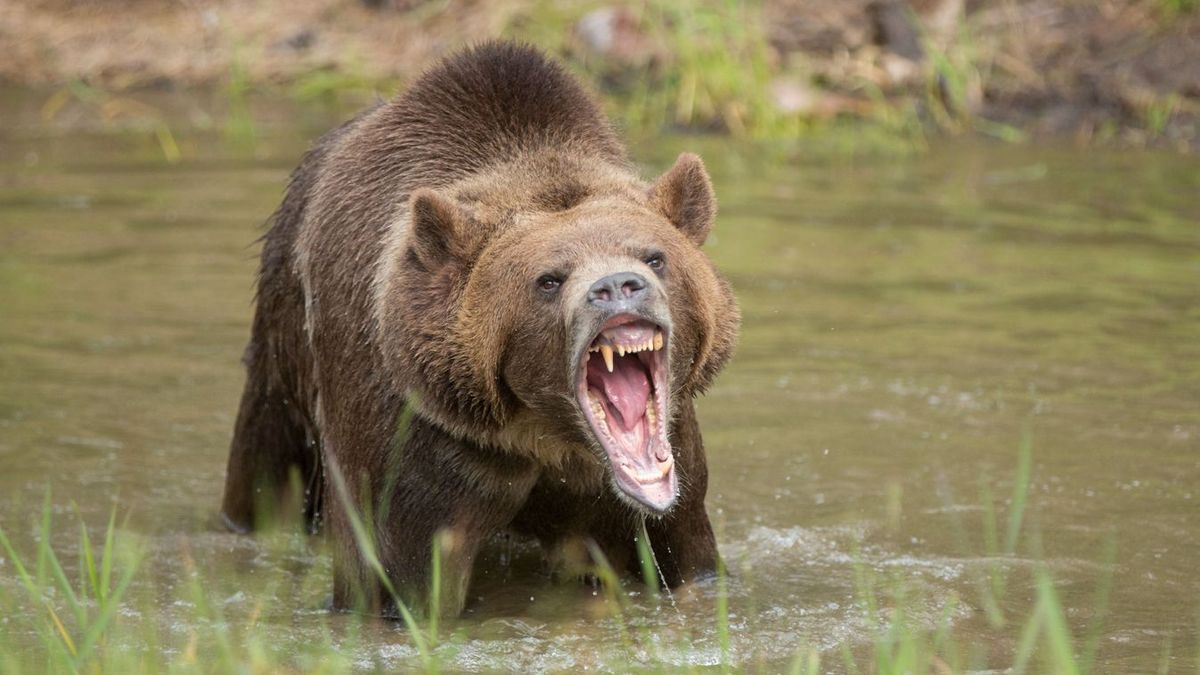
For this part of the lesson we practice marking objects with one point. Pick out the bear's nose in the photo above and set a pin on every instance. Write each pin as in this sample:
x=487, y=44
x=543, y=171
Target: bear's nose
x=617, y=289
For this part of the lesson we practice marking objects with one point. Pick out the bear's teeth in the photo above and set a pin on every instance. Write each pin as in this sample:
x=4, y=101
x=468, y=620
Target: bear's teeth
x=650, y=417
x=607, y=352
x=658, y=340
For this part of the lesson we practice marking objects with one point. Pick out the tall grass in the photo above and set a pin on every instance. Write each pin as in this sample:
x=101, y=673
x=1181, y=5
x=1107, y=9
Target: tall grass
x=72, y=618
x=115, y=110
x=54, y=620
x=1172, y=9
x=711, y=72
x=1043, y=638
x=369, y=550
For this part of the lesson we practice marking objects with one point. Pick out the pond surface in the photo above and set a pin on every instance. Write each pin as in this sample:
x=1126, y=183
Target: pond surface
x=907, y=319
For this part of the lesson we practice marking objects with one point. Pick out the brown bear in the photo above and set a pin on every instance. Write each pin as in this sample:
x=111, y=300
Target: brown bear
x=473, y=317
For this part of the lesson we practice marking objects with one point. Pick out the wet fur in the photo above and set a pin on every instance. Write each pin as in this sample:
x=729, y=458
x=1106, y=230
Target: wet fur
x=373, y=308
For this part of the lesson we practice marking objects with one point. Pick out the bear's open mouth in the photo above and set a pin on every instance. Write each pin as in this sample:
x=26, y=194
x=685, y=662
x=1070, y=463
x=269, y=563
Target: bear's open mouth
x=622, y=391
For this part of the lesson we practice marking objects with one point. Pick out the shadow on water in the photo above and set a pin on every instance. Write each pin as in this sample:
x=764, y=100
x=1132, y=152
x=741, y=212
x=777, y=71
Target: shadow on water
x=905, y=318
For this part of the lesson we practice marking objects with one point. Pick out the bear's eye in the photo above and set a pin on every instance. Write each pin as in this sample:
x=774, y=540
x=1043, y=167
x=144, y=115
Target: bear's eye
x=655, y=261
x=548, y=283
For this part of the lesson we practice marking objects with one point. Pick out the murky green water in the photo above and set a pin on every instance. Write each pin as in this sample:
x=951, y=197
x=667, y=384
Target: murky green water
x=905, y=319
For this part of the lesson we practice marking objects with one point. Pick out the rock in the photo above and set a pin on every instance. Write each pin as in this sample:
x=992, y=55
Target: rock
x=795, y=97
x=792, y=96
x=823, y=28
x=396, y=5
x=300, y=41
x=901, y=28
x=615, y=36
x=895, y=29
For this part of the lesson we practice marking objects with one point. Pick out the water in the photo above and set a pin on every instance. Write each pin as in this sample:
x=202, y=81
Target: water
x=905, y=320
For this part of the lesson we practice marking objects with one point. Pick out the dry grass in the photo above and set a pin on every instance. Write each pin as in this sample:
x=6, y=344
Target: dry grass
x=1096, y=70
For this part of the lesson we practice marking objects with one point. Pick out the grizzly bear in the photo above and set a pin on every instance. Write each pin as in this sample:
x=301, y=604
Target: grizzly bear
x=473, y=317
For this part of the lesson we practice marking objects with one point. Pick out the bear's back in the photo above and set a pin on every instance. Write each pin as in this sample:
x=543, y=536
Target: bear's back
x=492, y=104
x=486, y=105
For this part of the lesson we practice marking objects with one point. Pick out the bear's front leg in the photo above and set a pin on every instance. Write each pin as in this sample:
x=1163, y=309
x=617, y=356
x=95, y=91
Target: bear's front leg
x=435, y=488
x=683, y=540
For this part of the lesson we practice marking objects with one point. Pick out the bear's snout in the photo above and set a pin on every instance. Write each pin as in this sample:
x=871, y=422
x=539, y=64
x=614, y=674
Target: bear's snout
x=617, y=292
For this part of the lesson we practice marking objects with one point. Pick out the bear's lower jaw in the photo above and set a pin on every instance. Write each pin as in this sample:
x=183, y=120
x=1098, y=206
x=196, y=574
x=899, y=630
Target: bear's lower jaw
x=621, y=391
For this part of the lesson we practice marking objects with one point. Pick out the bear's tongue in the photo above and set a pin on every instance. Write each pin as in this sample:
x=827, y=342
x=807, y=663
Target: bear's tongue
x=620, y=398
x=626, y=389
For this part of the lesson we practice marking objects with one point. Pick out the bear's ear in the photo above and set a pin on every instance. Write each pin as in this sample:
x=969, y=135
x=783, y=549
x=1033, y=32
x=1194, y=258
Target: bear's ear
x=437, y=228
x=685, y=196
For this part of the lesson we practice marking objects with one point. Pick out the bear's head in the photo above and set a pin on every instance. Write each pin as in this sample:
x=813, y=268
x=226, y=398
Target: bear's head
x=567, y=299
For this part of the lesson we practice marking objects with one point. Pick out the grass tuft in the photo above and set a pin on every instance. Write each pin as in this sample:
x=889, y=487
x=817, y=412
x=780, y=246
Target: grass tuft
x=70, y=644
x=70, y=608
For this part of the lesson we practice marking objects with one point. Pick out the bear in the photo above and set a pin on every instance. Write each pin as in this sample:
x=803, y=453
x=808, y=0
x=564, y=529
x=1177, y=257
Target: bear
x=472, y=318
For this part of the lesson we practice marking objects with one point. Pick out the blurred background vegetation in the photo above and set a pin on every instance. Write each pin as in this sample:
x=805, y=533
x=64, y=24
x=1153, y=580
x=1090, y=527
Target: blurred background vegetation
x=912, y=315
x=1093, y=71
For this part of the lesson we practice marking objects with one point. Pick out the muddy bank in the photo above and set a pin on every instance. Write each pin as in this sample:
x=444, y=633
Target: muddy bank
x=1122, y=70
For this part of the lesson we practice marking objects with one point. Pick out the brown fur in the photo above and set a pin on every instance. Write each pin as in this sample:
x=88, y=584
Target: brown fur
x=398, y=275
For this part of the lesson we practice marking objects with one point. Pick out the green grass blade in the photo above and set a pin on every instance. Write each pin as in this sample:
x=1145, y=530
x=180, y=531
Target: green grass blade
x=848, y=659
x=1028, y=641
x=991, y=538
x=994, y=589
x=96, y=631
x=43, y=549
x=87, y=567
x=647, y=561
x=216, y=624
x=611, y=584
x=68, y=590
x=62, y=631
x=723, y=638
x=941, y=636
x=366, y=545
x=1164, y=659
x=1100, y=606
x=106, y=556
x=1058, y=634
x=1016, y=510
x=435, y=591
x=27, y=580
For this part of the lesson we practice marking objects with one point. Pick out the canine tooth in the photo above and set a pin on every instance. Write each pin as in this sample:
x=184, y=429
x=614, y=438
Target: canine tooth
x=606, y=352
x=658, y=340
